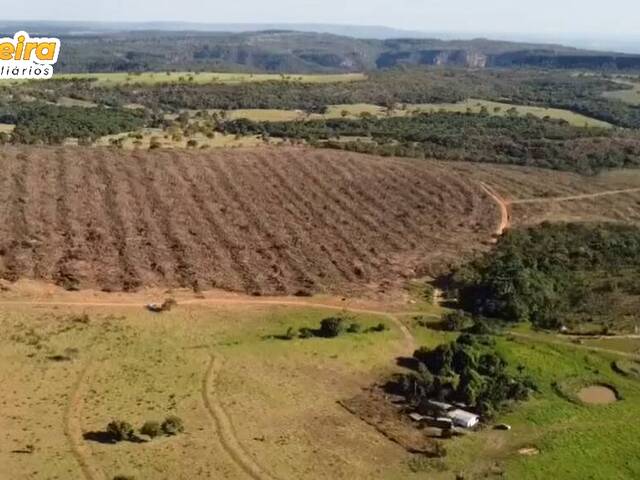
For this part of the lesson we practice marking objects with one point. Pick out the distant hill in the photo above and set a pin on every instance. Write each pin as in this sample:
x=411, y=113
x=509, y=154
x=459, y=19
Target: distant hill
x=109, y=47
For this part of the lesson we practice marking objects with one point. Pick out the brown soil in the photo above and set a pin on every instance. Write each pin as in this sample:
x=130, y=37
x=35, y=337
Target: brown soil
x=262, y=221
x=597, y=395
x=373, y=407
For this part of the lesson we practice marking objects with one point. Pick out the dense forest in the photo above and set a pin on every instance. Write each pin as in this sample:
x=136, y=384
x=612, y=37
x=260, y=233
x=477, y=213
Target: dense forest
x=584, y=276
x=52, y=124
x=511, y=139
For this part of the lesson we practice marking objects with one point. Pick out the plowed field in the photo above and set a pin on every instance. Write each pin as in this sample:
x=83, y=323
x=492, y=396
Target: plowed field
x=262, y=221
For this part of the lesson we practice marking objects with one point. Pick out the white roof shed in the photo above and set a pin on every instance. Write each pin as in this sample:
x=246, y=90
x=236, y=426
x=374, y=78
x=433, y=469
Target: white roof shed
x=463, y=419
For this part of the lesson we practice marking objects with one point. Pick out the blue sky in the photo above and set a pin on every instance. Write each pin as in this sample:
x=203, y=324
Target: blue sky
x=557, y=17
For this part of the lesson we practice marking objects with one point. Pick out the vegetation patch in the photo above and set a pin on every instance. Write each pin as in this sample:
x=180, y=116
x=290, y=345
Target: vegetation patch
x=467, y=371
x=628, y=368
x=332, y=327
x=582, y=277
x=476, y=137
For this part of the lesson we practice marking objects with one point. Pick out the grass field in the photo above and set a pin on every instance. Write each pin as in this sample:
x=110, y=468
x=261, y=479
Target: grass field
x=281, y=396
x=251, y=400
x=472, y=105
x=6, y=127
x=631, y=96
x=149, y=78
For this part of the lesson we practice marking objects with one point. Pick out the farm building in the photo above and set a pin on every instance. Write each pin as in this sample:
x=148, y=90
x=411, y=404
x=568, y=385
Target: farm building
x=463, y=419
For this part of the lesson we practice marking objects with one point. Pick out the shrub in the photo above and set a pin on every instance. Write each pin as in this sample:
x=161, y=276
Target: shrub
x=291, y=334
x=172, y=425
x=354, y=328
x=381, y=327
x=332, y=327
x=305, y=332
x=456, y=321
x=151, y=429
x=121, y=430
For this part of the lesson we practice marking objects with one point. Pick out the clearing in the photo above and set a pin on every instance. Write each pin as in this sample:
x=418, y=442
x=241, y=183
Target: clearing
x=262, y=221
x=269, y=220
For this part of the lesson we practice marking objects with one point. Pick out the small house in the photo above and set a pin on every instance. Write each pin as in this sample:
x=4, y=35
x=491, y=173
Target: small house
x=463, y=419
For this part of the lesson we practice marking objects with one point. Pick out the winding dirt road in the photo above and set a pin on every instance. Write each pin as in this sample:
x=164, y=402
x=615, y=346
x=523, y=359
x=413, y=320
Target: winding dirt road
x=505, y=205
x=583, y=196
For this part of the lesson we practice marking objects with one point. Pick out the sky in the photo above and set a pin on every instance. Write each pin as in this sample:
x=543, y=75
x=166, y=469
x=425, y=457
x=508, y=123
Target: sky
x=615, y=18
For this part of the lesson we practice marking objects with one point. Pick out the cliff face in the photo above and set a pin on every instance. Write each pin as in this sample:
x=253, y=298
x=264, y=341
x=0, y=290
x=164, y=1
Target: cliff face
x=297, y=52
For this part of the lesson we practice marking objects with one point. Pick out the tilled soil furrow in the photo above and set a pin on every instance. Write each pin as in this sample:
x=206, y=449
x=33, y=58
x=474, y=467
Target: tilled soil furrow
x=285, y=211
x=18, y=254
x=386, y=209
x=331, y=240
x=65, y=273
x=220, y=269
x=42, y=207
x=264, y=221
x=363, y=253
x=116, y=207
x=287, y=270
x=360, y=214
x=151, y=177
x=159, y=260
x=90, y=214
x=345, y=218
x=240, y=238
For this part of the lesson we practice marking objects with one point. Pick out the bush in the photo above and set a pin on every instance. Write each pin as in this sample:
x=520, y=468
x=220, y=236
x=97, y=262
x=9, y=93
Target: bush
x=291, y=334
x=121, y=431
x=172, y=425
x=456, y=321
x=331, y=327
x=306, y=333
x=381, y=327
x=151, y=428
x=354, y=328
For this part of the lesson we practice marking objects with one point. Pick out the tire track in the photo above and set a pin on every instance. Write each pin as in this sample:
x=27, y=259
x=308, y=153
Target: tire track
x=222, y=424
x=73, y=428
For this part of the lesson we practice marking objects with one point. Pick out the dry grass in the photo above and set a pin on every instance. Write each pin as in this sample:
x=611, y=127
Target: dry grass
x=150, y=78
